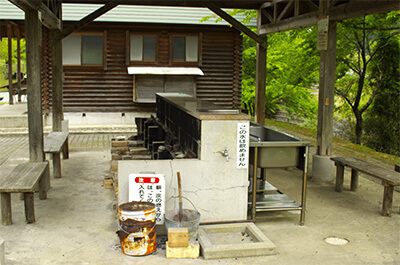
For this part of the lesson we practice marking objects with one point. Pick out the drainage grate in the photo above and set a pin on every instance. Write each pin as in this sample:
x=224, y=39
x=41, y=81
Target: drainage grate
x=333, y=240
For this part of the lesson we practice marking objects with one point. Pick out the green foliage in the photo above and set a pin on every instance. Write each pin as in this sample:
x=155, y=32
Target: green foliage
x=359, y=41
x=382, y=123
x=292, y=69
x=4, y=56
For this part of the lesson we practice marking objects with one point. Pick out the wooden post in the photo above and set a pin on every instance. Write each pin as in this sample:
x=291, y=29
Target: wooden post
x=44, y=184
x=19, y=62
x=354, y=180
x=339, y=177
x=57, y=81
x=254, y=192
x=387, y=200
x=6, y=208
x=29, y=207
x=34, y=92
x=327, y=70
x=56, y=165
x=261, y=74
x=10, y=86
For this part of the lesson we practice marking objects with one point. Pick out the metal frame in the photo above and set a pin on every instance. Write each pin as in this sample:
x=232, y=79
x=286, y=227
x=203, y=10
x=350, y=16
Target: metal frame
x=301, y=207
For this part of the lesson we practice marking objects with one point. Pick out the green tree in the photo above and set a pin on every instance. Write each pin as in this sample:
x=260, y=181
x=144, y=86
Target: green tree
x=359, y=41
x=292, y=70
x=4, y=54
x=382, y=121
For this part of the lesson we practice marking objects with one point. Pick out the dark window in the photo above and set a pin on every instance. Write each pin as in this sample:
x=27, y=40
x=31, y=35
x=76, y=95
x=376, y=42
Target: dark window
x=143, y=48
x=92, y=50
x=83, y=50
x=185, y=49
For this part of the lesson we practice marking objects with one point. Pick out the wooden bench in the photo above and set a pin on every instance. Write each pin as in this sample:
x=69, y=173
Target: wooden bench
x=389, y=178
x=54, y=143
x=24, y=179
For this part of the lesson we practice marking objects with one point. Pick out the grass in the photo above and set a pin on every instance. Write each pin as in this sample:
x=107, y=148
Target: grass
x=340, y=147
x=3, y=82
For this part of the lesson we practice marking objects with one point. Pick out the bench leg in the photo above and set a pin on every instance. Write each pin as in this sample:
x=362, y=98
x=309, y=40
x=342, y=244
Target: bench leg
x=29, y=207
x=339, y=177
x=56, y=165
x=44, y=184
x=6, y=208
x=387, y=200
x=354, y=180
x=65, y=150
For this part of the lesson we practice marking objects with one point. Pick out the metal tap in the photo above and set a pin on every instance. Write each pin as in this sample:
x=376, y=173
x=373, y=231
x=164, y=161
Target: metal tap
x=225, y=153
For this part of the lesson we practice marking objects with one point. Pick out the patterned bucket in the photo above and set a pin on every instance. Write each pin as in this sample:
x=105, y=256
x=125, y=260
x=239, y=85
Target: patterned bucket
x=137, y=228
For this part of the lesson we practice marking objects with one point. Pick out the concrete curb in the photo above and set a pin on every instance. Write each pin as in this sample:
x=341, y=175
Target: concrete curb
x=2, y=252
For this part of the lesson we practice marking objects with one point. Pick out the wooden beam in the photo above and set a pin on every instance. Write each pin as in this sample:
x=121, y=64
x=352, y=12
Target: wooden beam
x=285, y=9
x=349, y=10
x=49, y=19
x=9, y=63
x=267, y=15
x=33, y=50
x=312, y=5
x=261, y=74
x=355, y=9
x=305, y=20
x=296, y=8
x=19, y=62
x=271, y=3
x=86, y=20
x=236, y=24
x=57, y=83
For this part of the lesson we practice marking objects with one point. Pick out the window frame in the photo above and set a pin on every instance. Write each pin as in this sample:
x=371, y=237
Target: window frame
x=185, y=62
x=103, y=48
x=143, y=61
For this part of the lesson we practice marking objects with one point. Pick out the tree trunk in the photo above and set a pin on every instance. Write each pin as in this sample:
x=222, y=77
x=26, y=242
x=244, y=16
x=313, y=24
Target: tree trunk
x=359, y=127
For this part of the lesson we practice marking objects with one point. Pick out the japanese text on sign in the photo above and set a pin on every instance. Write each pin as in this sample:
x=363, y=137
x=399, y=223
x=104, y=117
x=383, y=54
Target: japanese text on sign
x=149, y=188
x=243, y=145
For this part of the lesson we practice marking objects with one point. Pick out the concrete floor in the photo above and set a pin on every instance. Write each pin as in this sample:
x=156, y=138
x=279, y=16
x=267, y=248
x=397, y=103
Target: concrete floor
x=77, y=224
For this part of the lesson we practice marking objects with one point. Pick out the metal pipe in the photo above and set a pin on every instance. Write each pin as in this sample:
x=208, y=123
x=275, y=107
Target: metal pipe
x=253, y=204
x=304, y=189
x=227, y=222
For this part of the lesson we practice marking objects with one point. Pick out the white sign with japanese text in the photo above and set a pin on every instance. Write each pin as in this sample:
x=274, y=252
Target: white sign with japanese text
x=243, y=145
x=149, y=188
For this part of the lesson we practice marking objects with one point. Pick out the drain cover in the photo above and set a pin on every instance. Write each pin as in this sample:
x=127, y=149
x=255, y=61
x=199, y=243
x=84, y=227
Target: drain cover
x=333, y=240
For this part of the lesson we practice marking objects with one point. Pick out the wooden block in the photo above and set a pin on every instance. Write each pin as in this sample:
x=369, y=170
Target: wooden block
x=108, y=183
x=114, y=165
x=116, y=157
x=119, y=144
x=178, y=237
x=190, y=252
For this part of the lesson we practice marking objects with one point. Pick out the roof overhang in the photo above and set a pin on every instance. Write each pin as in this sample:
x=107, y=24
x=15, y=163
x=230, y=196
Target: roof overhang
x=238, y=4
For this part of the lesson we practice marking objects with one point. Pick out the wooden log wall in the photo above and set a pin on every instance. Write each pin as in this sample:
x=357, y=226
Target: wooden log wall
x=109, y=88
x=46, y=70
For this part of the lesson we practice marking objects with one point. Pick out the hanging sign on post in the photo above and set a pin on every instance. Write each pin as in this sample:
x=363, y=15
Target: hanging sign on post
x=322, y=42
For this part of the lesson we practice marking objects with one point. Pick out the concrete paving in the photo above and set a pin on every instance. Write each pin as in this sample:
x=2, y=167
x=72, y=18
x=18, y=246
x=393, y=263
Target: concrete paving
x=14, y=121
x=77, y=223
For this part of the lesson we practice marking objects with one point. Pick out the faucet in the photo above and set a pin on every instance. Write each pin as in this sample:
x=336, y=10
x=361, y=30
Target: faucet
x=225, y=153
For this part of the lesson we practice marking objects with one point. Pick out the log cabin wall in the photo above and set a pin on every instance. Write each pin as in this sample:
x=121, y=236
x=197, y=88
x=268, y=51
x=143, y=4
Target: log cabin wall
x=109, y=88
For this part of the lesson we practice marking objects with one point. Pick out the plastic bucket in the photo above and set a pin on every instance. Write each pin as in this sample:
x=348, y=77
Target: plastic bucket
x=137, y=228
